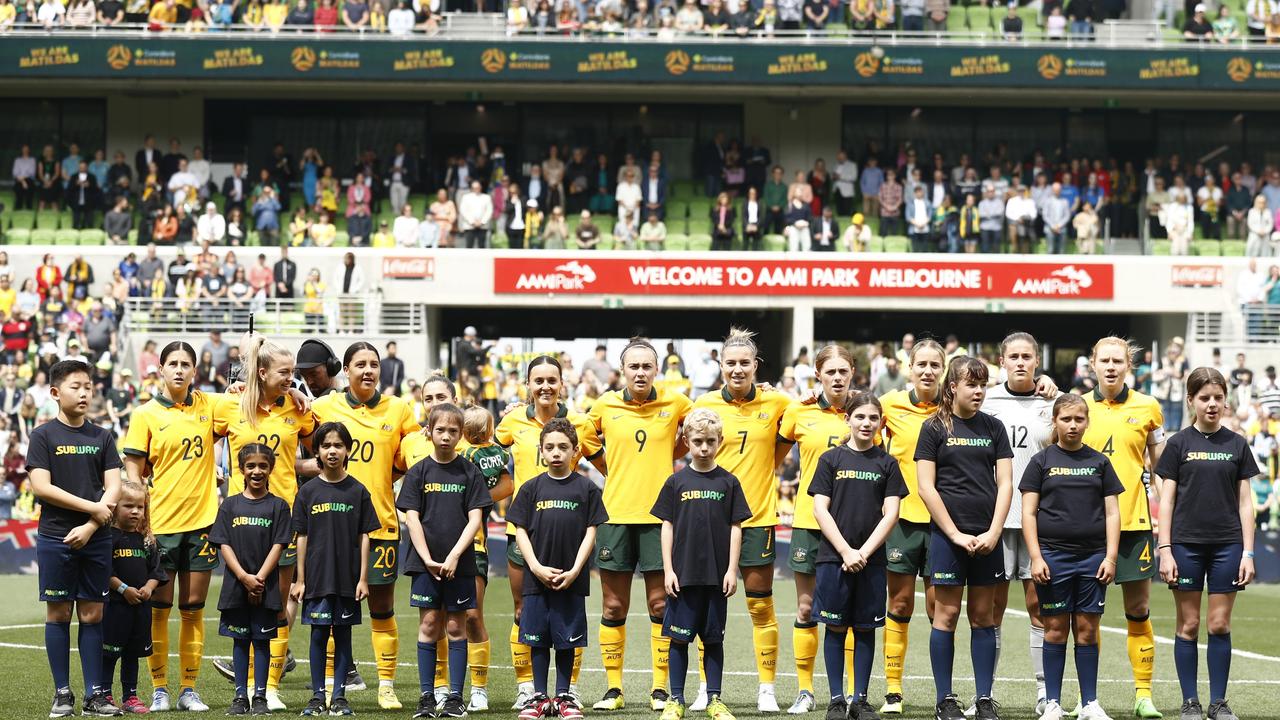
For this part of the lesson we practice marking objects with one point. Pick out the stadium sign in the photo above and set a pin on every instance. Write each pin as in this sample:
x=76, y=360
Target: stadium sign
x=408, y=267
x=863, y=278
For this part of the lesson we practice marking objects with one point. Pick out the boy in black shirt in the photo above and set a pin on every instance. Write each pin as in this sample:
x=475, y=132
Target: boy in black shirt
x=856, y=488
x=253, y=529
x=1071, y=525
x=75, y=472
x=333, y=516
x=702, y=508
x=556, y=515
x=445, y=498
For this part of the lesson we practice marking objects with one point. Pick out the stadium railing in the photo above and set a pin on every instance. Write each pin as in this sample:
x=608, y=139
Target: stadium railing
x=364, y=314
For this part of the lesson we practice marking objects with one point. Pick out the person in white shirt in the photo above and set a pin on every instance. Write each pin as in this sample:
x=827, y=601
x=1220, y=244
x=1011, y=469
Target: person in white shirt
x=1209, y=199
x=1249, y=285
x=1176, y=219
x=211, y=226
x=845, y=174
x=1020, y=211
x=199, y=167
x=405, y=228
x=182, y=185
x=475, y=211
x=51, y=13
x=398, y=176
x=1261, y=228
x=628, y=196
x=401, y=20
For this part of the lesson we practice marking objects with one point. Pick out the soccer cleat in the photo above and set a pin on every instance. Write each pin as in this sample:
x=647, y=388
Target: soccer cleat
x=539, y=706
x=804, y=703
x=524, y=693
x=611, y=701
x=766, y=700
x=862, y=710
x=566, y=707
x=1191, y=710
x=426, y=706
x=1093, y=711
x=575, y=697
x=892, y=704
x=190, y=701
x=223, y=668
x=948, y=709
x=717, y=710
x=1221, y=711
x=160, y=700
x=837, y=709
x=315, y=707
x=274, y=702
x=99, y=705
x=700, y=701
x=441, y=693
x=64, y=704
x=239, y=706
x=133, y=706
x=354, y=681
x=479, y=700
x=387, y=699
x=658, y=699
x=339, y=707
x=1042, y=703
x=1053, y=711
x=258, y=706
x=987, y=709
x=1145, y=709
x=673, y=710
x=453, y=707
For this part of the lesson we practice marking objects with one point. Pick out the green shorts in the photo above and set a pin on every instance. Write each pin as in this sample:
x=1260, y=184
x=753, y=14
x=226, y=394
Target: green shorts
x=624, y=548
x=482, y=566
x=384, y=561
x=513, y=552
x=187, y=551
x=289, y=557
x=1136, y=560
x=804, y=550
x=907, y=549
x=757, y=547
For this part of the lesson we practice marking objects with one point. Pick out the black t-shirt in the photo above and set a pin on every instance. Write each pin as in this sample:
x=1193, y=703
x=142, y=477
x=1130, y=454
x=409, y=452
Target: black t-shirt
x=443, y=495
x=76, y=458
x=333, y=516
x=857, y=483
x=1073, y=487
x=702, y=507
x=109, y=8
x=556, y=515
x=966, y=461
x=134, y=562
x=1208, y=471
x=251, y=528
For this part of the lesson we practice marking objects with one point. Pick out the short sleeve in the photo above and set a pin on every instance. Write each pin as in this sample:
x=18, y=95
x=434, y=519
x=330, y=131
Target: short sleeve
x=930, y=439
x=683, y=407
x=1170, y=459
x=1003, y=449
x=1155, y=426
x=224, y=412
x=282, y=534
x=821, y=484
x=368, y=515
x=110, y=455
x=1033, y=476
x=220, y=533
x=518, y=513
x=300, y=516
x=741, y=510
x=502, y=434
x=588, y=439
x=596, y=514
x=137, y=440
x=1111, y=484
x=410, y=497
x=596, y=416
x=154, y=569
x=663, y=507
x=1248, y=465
x=38, y=452
x=787, y=428
x=477, y=489
x=895, y=485
x=306, y=423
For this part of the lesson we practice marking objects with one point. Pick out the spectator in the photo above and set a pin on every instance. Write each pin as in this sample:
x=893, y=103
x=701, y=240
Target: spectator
x=359, y=219
x=723, y=220
x=826, y=232
x=936, y=15
x=1225, y=29
x=845, y=177
x=912, y=21
x=284, y=274
x=556, y=233
x=790, y=15
x=1261, y=225
x=313, y=307
x=1176, y=219
x=1080, y=14
x=405, y=228
x=211, y=227
x=237, y=235
x=444, y=216
x=969, y=224
x=689, y=19
x=355, y=15
x=653, y=233
x=24, y=179
x=383, y=239
x=475, y=211
x=919, y=217
x=889, y=200
x=1057, y=216
x=587, y=234
x=1086, y=224
x=266, y=216
x=653, y=191
x=325, y=17
x=1011, y=24
x=752, y=219
x=348, y=279
x=1238, y=202
x=628, y=194
x=82, y=195
x=300, y=228
x=1055, y=25
x=816, y=13
x=1167, y=384
x=1197, y=27
x=322, y=232
x=118, y=222
x=797, y=220
x=165, y=229
x=1259, y=14
x=51, y=13
x=1209, y=199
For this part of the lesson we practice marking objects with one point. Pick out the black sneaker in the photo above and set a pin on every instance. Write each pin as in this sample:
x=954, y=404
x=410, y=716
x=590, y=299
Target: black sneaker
x=453, y=707
x=100, y=705
x=354, y=681
x=426, y=705
x=948, y=709
x=862, y=710
x=259, y=705
x=239, y=706
x=224, y=668
x=64, y=704
x=315, y=706
x=987, y=709
x=289, y=663
x=838, y=709
x=1191, y=710
x=1221, y=711
x=339, y=706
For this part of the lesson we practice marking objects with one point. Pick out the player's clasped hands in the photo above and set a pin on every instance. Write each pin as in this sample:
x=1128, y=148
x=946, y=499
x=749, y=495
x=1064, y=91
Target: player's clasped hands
x=853, y=560
x=985, y=543
x=102, y=513
x=80, y=535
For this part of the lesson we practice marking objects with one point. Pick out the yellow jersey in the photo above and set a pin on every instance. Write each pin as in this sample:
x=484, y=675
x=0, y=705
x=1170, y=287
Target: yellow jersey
x=518, y=432
x=417, y=447
x=1122, y=429
x=904, y=415
x=750, y=437
x=640, y=438
x=177, y=440
x=818, y=427
x=377, y=428
x=278, y=429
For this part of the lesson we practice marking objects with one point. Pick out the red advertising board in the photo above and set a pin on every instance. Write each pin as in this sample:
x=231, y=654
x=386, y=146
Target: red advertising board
x=586, y=275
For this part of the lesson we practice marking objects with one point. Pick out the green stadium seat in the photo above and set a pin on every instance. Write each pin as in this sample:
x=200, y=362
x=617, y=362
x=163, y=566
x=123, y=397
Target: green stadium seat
x=499, y=241
x=998, y=14
x=18, y=236
x=42, y=236
x=775, y=243
x=46, y=220
x=978, y=17
x=341, y=239
x=1206, y=248
x=896, y=243
x=1160, y=247
x=66, y=237
x=1030, y=21
x=1233, y=248
x=22, y=219
x=957, y=21
x=676, y=241
x=92, y=237
x=65, y=220
x=700, y=243
x=419, y=204
x=133, y=237
x=606, y=242
x=294, y=322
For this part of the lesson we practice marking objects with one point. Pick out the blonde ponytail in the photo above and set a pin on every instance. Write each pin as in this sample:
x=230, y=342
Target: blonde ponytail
x=258, y=352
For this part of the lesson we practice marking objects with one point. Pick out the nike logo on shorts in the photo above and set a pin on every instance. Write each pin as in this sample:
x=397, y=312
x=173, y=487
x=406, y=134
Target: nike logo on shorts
x=882, y=617
x=460, y=601
x=576, y=638
x=346, y=615
x=106, y=593
x=266, y=630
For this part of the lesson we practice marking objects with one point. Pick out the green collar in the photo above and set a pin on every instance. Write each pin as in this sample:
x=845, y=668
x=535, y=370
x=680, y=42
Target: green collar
x=561, y=411
x=1120, y=396
x=167, y=403
x=915, y=399
x=373, y=401
x=653, y=394
x=728, y=397
x=823, y=402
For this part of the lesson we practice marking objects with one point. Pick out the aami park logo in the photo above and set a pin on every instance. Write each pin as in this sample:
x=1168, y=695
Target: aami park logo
x=867, y=64
x=1049, y=66
x=119, y=57
x=1239, y=69
x=677, y=62
x=302, y=58
x=493, y=60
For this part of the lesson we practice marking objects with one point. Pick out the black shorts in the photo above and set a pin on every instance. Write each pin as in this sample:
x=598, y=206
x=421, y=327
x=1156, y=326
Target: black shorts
x=699, y=610
x=847, y=599
x=454, y=595
x=1218, y=563
x=67, y=574
x=126, y=630
x=331, y=610
x=950, y=564
x=554, y=620
x=1073, y=583
x=249, y=623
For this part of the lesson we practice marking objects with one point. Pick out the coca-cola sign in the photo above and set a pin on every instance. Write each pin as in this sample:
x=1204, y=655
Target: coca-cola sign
x=1197, y=276
x=406, y=267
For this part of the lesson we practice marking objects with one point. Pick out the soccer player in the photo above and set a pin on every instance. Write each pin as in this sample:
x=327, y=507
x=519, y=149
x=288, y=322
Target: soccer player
x=1126, y=426
x=75, y=473
x=857, y=488
x=817, y=427
x=519, y=433
x=702, y=508
x=751, y=418
x=378, y=423
x=332, y=517
x=252, y=531
x=1071, y=529
x=135, y=575
x=1206, y=533
x=964, y=471
x=640, y=427
x=170, y=442
x=444, y=498
x=556, y=515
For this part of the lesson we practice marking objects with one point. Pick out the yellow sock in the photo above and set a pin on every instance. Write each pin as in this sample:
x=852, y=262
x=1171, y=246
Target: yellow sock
x=478, y=662
x=520, y=657
x=804, y=642
x=659, y=653
x=764, y=632
x=158, y=663
x=385, y=636
x=577, y=666
x=279, y=648
x=1142, y=654
x=895, y=652
x=848, y=663
x=613, y=647
x=190, y=645
x=328, y=663
x=442, y=664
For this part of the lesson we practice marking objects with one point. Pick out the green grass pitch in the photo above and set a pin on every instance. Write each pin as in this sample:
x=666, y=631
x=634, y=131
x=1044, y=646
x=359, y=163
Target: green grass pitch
x=1255, y=682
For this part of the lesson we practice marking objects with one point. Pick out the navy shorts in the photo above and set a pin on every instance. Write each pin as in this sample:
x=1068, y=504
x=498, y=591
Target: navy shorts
x=1197, y=561
x=952, y=565
x=454, y=595
x=126, y=630
x=1073, y=583
x=331, y=610
x=249, y=623
x=554, y=620
x=699, y=610
x=67, y=574
x=847, y=599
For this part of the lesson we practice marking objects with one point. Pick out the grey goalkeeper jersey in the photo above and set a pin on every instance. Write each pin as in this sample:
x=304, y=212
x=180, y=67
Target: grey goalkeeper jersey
x=1028, y=419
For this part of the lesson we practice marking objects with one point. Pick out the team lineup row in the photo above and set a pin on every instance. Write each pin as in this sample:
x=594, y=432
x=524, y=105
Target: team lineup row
x=918, y=483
